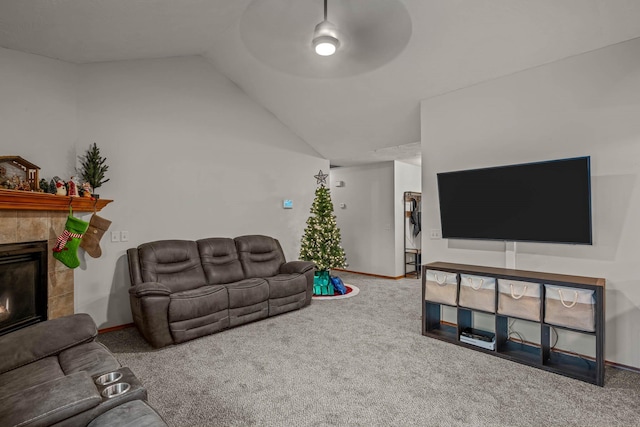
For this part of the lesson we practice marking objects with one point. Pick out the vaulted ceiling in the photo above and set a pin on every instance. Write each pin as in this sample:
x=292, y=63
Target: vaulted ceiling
x=360, y=105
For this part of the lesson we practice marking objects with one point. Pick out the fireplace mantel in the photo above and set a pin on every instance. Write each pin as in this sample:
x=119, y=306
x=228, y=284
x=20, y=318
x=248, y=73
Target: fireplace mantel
x=32, y=201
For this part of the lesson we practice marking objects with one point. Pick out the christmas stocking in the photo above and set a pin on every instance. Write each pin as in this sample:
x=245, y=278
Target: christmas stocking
x=66, y=249
x=91, y=239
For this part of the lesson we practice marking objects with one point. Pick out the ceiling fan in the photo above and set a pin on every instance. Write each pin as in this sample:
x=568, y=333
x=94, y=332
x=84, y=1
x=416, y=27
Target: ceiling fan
x=325, y=36
x=362, y=35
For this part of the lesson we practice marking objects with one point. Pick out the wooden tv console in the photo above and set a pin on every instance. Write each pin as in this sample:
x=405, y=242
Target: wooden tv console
x=542, y=356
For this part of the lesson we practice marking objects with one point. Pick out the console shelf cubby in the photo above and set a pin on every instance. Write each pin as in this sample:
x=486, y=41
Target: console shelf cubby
x=543, y=355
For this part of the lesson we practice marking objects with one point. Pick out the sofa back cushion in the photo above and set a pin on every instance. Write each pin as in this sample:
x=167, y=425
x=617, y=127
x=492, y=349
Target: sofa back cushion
x=174, y=263
x=260, y=256
x=220, y=260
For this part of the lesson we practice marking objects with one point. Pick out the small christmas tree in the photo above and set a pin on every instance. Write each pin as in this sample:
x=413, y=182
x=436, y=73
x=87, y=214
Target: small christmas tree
x=93, y=167
x=321, y=239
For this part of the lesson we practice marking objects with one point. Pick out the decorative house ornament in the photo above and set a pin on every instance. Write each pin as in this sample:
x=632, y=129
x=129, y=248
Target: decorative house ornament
x=17, y=173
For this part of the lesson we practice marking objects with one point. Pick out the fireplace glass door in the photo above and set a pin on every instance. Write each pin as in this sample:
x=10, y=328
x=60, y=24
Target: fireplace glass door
x=23, y=285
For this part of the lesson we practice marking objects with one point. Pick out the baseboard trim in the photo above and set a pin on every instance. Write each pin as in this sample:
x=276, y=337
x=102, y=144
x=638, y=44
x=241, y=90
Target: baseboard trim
x=369, y=274
x=621, y=366
x=115, y=328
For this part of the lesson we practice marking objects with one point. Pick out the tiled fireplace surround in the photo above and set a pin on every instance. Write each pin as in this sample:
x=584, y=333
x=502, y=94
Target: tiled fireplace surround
x=25, y=226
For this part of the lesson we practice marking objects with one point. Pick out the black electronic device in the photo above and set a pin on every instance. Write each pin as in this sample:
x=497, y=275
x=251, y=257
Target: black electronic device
x=477, y=335
x=486, y=340
x=541, y=202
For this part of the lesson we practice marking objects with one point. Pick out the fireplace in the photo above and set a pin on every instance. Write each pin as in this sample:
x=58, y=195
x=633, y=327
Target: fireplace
x=23, y=285
x=27, y=217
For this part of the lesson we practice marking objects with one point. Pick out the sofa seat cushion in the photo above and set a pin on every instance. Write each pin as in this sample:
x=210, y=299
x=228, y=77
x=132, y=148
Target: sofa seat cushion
x=26, y=376
x=197, y=302
x=198, y=312
x=248, y=301
x=247, y=292
x=50, y=402
x=286, y=292
x=91, y=357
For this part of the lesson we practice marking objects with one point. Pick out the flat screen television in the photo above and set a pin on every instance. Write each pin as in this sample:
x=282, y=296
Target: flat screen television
x=546, y=201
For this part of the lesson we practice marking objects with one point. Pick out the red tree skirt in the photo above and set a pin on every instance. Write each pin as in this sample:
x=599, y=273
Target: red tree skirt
x=352, y=291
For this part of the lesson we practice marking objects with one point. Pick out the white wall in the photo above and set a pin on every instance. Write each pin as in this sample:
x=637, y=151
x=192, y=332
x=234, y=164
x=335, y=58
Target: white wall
x=189, y=155
x=584, y=105
x=407, y=177
x=367, y=224
x=372, y=223
x=38, y=111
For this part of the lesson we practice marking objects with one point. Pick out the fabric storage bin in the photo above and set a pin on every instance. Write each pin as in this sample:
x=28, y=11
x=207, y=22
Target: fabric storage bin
x=519, y=299
x=478, y=292
x=441, y=286
x=570, y=307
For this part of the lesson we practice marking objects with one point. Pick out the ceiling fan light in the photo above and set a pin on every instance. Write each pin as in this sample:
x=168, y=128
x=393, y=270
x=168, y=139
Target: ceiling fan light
x=325, y=39
x=325, y=45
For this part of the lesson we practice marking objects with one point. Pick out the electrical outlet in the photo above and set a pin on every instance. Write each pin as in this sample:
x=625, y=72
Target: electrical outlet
x=124, y=236
x=115, y=236
x=435, y=234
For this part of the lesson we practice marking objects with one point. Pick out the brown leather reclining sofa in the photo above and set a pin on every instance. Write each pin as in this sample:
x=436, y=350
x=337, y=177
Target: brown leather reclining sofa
x=184, y=289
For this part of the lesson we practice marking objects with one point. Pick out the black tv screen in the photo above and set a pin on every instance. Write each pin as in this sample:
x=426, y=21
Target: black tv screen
x=540, y=202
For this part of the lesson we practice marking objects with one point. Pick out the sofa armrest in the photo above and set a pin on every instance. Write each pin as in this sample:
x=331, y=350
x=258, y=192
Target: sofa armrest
x=150, y=309
x=50, y=402
x=45, y=339
x=135, y=274
x=300, y=267
x=135, y=413
x=149, y=289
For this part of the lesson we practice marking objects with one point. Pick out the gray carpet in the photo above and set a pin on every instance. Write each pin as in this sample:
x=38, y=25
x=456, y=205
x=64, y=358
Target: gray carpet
x=361, y=361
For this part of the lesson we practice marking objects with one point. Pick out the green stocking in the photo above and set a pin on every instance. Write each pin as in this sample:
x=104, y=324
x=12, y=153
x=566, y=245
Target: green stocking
x=66, y=249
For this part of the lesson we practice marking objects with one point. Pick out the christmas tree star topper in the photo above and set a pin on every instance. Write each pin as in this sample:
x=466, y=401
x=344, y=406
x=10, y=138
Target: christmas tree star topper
x=321, y=177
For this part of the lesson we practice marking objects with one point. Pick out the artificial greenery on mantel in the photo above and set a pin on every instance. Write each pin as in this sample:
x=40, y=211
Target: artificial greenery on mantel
x=93, y=167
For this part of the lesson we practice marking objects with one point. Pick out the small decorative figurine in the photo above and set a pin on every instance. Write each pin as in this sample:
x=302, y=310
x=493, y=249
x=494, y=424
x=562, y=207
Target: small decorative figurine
x=61, y=189
x=72, y=188
x=86, y=187
x=44, y=185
